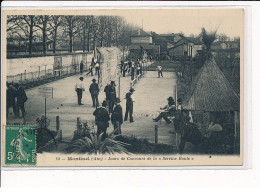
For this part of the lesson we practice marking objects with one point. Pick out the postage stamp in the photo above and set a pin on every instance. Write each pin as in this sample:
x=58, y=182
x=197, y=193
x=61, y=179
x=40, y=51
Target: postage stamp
x=20, y=145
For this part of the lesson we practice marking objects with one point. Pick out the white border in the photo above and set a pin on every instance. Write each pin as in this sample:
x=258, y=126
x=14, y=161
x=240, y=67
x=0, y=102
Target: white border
x=252, y=9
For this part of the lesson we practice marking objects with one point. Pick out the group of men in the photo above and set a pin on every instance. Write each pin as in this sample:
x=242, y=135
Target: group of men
x=110, y=106
x=132, y=68
x=15, y=98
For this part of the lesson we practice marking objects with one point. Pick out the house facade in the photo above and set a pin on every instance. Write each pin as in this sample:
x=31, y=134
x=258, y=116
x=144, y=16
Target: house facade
x=142, y=41
x=186, y=47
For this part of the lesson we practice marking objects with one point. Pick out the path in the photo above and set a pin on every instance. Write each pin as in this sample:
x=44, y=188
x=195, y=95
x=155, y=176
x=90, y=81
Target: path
x=151, y=93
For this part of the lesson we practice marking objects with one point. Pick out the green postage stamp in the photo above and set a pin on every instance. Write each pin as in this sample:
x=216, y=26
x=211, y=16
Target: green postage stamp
x=20, y=145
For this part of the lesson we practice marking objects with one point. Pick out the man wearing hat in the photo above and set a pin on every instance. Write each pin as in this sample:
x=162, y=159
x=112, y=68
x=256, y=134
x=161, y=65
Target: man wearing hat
x=110, y=91
x=101, y=120
x=117, y=117
x=168, y=110
x=79, y=88
x=129, y=105
x=94, y=91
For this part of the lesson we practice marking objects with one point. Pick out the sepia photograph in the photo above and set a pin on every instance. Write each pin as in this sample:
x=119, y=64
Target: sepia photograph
x=122, y=87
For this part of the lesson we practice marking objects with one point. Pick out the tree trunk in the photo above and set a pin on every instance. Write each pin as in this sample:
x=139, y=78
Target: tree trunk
x=71, y=43
x=44, y=24
x=31, y=35
x=84, y=38
x=88, y=43
x=44, y=41
x=54, y=40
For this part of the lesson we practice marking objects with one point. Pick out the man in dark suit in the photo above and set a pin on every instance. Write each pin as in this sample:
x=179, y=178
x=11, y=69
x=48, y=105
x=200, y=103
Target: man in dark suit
x=81, y=67
x=129, y=105
x=101, y=120
x=117, y=117
x=21, y=99
x=94, y=91
x=10, y=99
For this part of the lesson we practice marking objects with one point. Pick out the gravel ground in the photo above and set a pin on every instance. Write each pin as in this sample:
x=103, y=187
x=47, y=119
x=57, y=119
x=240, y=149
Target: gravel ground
x=151, y=93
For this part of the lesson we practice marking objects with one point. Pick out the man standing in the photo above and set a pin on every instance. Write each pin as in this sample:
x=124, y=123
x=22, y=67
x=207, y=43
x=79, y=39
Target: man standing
x=129, y=105
x=132, y=71
x=97, y=69
x=112, y=96
x=159, y=69
x=79, y=88
x=21, y=99
x=91, y=67
x=117, y=117
x=10, y=99
x=101, y=120
x=81, y=67
x=94, y=91
x=106, y=90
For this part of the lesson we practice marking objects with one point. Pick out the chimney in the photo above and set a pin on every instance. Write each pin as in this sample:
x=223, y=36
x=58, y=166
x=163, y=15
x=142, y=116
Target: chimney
x=139, y=32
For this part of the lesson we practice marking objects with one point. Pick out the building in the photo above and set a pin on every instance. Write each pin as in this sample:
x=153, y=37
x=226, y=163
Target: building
x=142, y=41
x=186, y=47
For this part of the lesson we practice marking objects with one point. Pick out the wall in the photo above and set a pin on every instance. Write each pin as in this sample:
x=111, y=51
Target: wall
x=142, y=39
x=32, y=64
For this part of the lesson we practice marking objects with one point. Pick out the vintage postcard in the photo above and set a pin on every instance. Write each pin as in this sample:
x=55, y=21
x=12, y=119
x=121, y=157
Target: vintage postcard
x=122, y=87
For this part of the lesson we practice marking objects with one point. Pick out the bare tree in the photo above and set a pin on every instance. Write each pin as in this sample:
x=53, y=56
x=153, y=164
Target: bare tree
x=23, y=27
x=55, y=22
x=102, y=29
x=41, y=23
x=70, y=29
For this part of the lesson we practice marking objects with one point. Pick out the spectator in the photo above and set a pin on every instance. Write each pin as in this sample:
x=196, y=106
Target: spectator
x=81, y=67
x=168, y=111
x=21, y=99
x=101, y=120
x=79, y=88
x=10, y=99
x=117, y=117
x=159, y=69
x=129, y=105
x=94, y=91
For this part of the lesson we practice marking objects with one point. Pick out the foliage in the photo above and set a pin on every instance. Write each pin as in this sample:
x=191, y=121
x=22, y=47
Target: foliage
x=208, y=38
x=43, y=134
x=68, y=32
x=83, y=130
x=95, y=145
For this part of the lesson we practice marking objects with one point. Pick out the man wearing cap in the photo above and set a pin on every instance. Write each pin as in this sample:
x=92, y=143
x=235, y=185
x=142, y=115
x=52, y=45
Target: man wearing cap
x=129, y=105
x=79, y=88
x=117, y=117
x=101, y=120
x=94, y=91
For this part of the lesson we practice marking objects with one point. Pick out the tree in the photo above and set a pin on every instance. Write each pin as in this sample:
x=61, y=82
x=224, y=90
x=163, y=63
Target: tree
x=208, y=38
x=55, y=22
x=22, y=26
x=70, y=29
x=41, y=23
x=102, y=29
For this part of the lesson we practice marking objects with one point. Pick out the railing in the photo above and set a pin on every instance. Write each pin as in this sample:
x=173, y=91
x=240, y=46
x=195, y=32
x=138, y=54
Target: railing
x=32, y=79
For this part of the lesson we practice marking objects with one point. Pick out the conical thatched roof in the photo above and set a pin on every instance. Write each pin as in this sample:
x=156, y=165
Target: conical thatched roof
x=211, y=91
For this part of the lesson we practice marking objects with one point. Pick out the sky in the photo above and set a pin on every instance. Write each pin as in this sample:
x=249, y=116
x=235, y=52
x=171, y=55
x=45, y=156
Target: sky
x=188, y=21
x=229, y=21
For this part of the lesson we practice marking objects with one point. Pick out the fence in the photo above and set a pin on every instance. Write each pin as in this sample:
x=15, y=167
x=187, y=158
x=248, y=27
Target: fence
x=32, y=79
x=139, y=76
